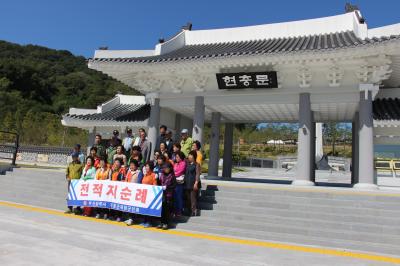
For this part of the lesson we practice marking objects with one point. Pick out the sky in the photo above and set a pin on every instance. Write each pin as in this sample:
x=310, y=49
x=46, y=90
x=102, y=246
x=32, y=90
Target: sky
x=81, y=26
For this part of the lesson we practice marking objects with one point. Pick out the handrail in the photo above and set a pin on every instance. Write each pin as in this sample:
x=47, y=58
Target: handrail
x=396, y=164
x=392, y=166
x=378, y=164
x=8, y=132
x=14, y=148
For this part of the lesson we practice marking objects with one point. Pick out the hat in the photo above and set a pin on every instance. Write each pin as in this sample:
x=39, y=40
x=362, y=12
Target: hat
x=184, y=131
x=115, y=132
x=75, y=155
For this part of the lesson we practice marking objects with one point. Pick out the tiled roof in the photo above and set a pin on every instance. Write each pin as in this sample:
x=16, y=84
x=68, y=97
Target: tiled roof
x=120, y=113
x=268, y=46
x=387, y=109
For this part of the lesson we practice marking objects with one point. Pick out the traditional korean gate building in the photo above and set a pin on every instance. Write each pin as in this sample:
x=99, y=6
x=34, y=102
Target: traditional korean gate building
x=317, y=70
x=120, y=112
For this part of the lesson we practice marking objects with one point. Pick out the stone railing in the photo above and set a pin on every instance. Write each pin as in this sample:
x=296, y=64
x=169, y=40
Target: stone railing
x=40, y=155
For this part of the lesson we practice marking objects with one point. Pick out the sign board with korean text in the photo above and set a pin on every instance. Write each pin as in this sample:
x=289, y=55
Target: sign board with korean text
x=121, y=196
x=252, y=80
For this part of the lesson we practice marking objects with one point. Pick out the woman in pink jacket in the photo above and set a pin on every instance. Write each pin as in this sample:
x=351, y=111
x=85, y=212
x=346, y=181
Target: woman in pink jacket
x=179, y=170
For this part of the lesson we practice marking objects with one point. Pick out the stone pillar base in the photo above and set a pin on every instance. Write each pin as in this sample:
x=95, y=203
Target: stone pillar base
x=306, y=183
x=366, y=186
x=212, y=177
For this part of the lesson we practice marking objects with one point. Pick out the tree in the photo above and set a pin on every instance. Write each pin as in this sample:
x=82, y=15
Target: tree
x=336, y=131
x=9, y=122
x=28, y=127
x=38, y=85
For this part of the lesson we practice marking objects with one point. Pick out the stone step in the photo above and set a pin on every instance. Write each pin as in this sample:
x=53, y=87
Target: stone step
x=311, y=193
x=302, y=200
x=378, y=201
x=235, y=203
x=371, y=237
x=385, y=248
x=293, y=214
x=307, y=223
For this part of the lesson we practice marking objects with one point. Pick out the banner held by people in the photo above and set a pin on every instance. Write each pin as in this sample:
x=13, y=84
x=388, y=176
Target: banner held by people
x=121, y=196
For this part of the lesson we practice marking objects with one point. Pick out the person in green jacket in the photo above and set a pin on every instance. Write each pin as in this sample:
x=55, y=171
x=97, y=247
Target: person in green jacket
x=101, y=150
x=74, y=171
x=186, y=142
x=111, y=151
x=89, y=171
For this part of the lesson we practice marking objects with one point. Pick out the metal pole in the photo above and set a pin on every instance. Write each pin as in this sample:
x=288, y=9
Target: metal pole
x=239, y=158
x=15, y=150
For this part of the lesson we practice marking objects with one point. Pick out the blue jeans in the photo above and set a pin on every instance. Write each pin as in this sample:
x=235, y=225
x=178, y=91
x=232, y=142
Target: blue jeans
x=178, y=195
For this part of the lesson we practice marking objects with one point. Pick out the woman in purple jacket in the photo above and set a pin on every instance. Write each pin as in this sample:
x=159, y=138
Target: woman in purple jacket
x=168, y=182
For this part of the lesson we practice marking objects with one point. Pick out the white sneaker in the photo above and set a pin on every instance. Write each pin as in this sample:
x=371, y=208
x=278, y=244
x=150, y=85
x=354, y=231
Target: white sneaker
x=97, y=216
x=129, y=222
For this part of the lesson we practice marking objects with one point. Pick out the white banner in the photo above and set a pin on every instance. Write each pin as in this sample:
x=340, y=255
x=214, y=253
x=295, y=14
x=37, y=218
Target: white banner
x=121, y=196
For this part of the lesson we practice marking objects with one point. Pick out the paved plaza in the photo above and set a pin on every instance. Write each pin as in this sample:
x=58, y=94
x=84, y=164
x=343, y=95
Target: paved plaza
x=36, y=238
x=43, y=235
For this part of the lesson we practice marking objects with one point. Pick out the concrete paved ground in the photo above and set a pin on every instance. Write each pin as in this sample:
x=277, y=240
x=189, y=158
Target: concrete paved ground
x=34, y=238
x=274, y=174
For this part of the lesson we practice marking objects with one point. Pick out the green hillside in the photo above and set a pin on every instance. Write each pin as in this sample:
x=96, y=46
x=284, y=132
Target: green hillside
x=38, y=84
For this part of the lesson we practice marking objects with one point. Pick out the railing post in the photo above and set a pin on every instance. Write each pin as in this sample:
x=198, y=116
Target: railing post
x=15, y=150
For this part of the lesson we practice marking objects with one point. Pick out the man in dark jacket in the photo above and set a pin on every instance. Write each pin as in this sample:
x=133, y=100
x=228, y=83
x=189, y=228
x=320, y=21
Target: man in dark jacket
x=169, y=142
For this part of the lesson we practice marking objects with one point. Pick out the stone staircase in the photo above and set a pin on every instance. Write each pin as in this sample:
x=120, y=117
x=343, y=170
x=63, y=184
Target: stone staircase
x=329, y=217
x=337, y=218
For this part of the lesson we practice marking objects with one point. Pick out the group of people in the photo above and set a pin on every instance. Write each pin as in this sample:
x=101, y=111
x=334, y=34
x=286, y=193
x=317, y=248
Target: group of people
x=176, y=166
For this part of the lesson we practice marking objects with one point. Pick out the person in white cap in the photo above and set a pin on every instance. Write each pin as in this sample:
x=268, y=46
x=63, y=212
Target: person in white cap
x=128, y=141
x=186, y=142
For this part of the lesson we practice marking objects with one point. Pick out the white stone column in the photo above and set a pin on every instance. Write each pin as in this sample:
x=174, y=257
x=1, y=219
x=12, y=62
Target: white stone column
x=313, y=147
x=178, y=128
x=227, y=158
x=154, y=121
x=198, y=119
x=306, y=143
x=355, y=146
x=366, y=169
x=214, y=145
x=319, y=151
x=91, y=137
